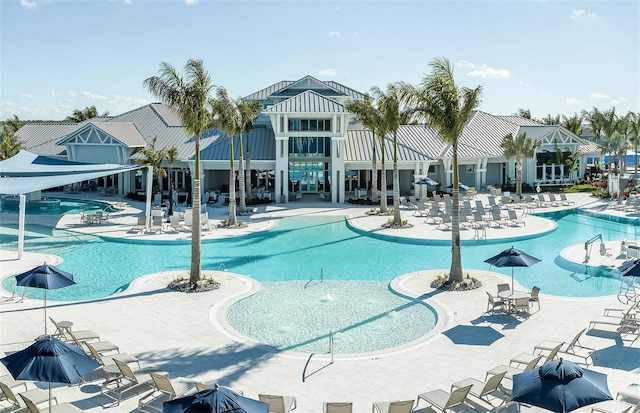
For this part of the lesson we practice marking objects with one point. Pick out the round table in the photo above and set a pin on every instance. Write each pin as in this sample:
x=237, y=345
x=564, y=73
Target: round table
x=511, y=296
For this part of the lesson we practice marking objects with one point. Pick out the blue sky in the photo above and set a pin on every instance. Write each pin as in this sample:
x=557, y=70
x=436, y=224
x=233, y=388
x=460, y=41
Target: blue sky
x=551, y=57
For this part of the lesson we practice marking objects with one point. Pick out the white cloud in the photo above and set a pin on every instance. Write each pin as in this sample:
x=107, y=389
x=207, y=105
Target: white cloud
x=580, y=14
x=26, y=95
x=572, y=101
x=71, y=93
x=190, y=2
x=617, y=100
x=597, y=95
x=93, y=96
x=328, y=72
x=487, y=72
x=483, y=71
x=334, y=35
x=28, y=4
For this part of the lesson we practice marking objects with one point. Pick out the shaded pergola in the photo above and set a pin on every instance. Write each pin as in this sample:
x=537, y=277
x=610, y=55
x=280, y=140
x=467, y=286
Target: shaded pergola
x=27, y=172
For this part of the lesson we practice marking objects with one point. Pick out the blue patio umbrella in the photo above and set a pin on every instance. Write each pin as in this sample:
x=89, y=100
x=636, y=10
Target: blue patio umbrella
x=50, y=360
x=560, y=386
x=215, y=400
x=427, y=181
x=46, y=277
x=460, y=186
x=630, y=269
x=512, y=258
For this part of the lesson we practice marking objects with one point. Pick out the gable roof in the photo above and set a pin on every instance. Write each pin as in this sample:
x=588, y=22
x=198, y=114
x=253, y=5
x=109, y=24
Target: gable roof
x=124, y=132
x=307, y=102
x=287, y=88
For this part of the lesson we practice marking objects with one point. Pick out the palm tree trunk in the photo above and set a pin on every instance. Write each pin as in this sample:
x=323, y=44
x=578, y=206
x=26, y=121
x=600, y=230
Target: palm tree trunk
x=232, y=186
x=519, y=179
x=383, y=184
x=241, y=181
x=194, y=275
x=374, y=174
x=248, y=170
x=455, y=273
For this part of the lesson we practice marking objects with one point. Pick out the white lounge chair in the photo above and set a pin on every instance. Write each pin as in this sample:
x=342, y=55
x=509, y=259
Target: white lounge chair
x=397, y=406
x=277, y=403
x=337, y=407
x=7, y=386
x=483, y=390
x=134, y=381
x=444, y=400
x=32, y=406
x=163, y=389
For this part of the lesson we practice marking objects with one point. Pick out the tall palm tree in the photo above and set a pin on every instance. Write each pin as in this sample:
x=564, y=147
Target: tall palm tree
x=367, y=113
x=189, y=95
x=390, y=106
x=611, y=142
x=249, y=112
x=226, y=117
x=573, y=123
x=595, y=119
x=550, y=120
x=634, y=135
x=519, y=148
x=172, y=157
x=447, y=108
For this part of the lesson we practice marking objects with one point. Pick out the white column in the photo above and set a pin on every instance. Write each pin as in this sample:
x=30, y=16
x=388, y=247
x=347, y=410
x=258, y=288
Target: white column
x=281, y=191
x=21, y=217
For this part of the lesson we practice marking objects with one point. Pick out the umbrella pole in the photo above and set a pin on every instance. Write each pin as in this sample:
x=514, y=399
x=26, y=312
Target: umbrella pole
x=45, y=326
x=511, y=281
x=49, y=396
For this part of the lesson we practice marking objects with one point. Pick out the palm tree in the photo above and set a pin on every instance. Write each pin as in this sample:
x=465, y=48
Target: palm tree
x=88, y=112
x=172, y=157
x=519, y=148
x=189, y=95
x=550, y=120
x=573, y=123
x=392, y=116
x=226, y=117
x=611, y=144
x=11, y=126
x=524, y=113
x=249, y=111
x=367, y=113
x=153, y=157
x=573, y=163
x=634, y=135
x=595, y=119
x=447, y=108
x=9, y=147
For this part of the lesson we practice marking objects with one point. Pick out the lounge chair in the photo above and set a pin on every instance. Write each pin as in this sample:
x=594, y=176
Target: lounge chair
x=497, y=218
x=510, y=371
x=614, y=406
x=163, y=388
x=542, y=203
x=200, y=386
x=106, y=360
x=444, y=400
x=553, y=200
x=140, y=226
x=482, y=390
x=7, y=385
x=526, y=358
x=174, y=224
x=573, y=347
x=337, y=407
x=32, y=406
x=512, y=218
x=156, y=224
x=630, y=392
x=79, y=335
x=565, y=201
x=135, y=381
x=397, y=406
x=445, y=222
x=628, y=323
x=278, y=404
x=100, y=346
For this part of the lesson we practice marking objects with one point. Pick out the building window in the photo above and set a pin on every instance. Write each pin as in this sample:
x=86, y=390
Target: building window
x=310, y=125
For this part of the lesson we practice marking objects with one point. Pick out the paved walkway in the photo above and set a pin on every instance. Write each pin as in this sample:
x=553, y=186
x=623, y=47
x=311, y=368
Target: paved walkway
x=184, y=334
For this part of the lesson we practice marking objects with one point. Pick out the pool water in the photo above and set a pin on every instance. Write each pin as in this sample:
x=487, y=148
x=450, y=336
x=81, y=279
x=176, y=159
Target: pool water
x=360, y=315
x=52, y=206
x=300, y=248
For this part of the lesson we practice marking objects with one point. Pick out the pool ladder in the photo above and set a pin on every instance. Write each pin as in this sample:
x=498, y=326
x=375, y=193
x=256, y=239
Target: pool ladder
x=221, y=267
x=331, y=352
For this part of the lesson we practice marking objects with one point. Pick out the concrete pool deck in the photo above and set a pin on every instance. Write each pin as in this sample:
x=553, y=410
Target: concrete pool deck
x=179, y=333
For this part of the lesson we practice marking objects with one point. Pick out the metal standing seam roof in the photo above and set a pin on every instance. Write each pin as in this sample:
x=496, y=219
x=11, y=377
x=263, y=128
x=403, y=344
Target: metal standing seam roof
x=124, y=132
x=518, y=120
x=307, y=102
x=482, y=136
x=275, y=88
x=262, y=146
x=42, y=138
x=264, y=94
x=359, y=148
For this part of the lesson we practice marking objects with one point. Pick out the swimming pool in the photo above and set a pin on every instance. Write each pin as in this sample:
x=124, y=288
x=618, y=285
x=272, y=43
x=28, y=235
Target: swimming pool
x=52, y=205
x=299, y=248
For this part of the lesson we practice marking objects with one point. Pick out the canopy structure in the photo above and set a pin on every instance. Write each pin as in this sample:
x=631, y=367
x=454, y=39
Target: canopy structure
x=27, y=172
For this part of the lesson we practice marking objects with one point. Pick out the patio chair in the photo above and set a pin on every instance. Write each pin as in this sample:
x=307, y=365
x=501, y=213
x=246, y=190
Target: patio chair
x=573, y=347
x=32, y=406
x=503, y=287
x=135, y=381
x=278, y=404
x=482, y=390
x=398, y=406
x=163, y=388
x=494, y=302
x=520, y=305
x=444, y=400
x=7, y=386
x=337, y=407
x=534, y=296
